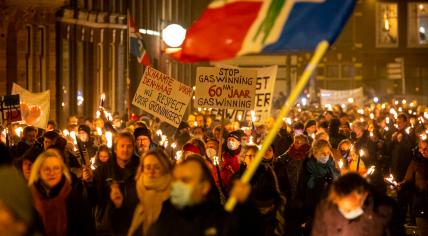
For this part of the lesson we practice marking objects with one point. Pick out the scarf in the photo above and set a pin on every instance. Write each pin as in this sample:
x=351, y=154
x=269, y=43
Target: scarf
x=319, y=171
x=52, y=210
x=299, y=153
x=151, y=194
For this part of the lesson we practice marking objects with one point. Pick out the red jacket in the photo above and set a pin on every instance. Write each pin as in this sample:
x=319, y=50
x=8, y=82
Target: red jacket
x=228, y=167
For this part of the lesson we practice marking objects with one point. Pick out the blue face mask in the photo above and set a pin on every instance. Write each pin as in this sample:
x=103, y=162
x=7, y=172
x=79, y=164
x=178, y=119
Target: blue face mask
x=323, y=159
x=180, y=194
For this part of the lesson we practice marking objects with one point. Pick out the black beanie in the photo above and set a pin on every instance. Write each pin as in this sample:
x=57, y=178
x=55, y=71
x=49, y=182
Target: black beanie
x=140, y=131
x=237, y=134
x=310, y=123
x=85, y=128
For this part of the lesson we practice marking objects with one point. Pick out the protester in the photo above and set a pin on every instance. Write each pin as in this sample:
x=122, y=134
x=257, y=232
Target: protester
x=62, y=209
x=265, y=193
x=29, y=137
x=113, y=188
x=349, y=158
x=85, y=141
x=318, y=172
x=153, y=181
x=289, y=165
x=194, y=207
x=230, y=162
x=417, y=177
x=102, y=157
x=18, y=217
x=352, y=209
x=143, y=138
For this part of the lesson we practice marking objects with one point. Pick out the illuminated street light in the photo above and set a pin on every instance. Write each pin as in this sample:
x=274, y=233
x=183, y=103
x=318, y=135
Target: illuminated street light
x=173, y=35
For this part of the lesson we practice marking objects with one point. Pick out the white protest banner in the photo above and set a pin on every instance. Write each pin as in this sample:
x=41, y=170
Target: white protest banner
x=162, y=96
x=35, y=107
x=266, y=77
x=265, y=84
x=225, y=88
x=339, y=97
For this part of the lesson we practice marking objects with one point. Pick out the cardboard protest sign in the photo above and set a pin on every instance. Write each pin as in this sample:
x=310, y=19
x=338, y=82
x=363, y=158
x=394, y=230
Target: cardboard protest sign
x=162, y=96
x=225, y=88
x=35, y=107
x=10, y=109
x=338, y=97
x=263, y=98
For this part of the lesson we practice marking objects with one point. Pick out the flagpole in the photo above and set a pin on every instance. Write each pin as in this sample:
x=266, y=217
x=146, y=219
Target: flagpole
x=318, y=54
x=128, y=80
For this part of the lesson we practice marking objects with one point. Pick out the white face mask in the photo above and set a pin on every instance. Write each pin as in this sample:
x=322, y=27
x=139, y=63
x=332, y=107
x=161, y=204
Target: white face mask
x=211, y=153
x=352, y=214
x=233, y=145
x=180, y=194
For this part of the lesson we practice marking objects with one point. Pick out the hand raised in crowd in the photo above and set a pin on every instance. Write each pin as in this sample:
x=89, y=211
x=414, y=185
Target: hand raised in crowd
x=240, y=191
x=116, y=195
x=87, y=175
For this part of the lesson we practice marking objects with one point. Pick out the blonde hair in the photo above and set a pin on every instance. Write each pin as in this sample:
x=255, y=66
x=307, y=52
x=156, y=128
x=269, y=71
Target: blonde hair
x=37, y=165
x=319, y=144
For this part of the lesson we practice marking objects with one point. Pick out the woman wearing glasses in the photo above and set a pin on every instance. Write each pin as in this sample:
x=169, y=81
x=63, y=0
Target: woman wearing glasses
x=61, y=206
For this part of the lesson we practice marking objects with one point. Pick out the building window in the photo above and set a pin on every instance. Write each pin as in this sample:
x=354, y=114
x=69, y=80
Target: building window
x=348, y=71
x=332, y=71
x=417, y=25
x=386, y=25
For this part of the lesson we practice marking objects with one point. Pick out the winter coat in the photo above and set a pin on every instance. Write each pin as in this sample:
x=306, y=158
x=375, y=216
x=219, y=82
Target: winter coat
x=417, y=176
x=283, y=141
x=265, y=193
x=314, y=181
x=228, y=167
x=380, y=218
x=288, y=167
x=401, y=155
x=202, y=219
x=109, y=219
x=73, y=218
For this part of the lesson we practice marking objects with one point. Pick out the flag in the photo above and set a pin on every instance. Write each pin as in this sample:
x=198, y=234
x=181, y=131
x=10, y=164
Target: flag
x=137, y=47
x=227, y=29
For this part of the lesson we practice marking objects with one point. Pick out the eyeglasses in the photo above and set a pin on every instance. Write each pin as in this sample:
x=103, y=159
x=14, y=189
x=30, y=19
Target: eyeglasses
x=55, y=170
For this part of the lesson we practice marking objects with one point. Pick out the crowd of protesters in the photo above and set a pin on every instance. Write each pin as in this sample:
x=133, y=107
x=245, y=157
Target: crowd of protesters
x=337, y=170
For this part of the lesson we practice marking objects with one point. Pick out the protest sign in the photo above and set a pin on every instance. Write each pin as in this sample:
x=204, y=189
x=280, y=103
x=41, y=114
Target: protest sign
x=35, y=107
x=225, y=88
x=339, y=97
x=10, y=109
x=265, y=84
x=162, y=96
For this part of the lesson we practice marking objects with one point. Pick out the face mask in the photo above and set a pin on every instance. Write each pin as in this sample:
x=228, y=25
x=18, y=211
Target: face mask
x=352, y=214
x=180, y=194
x=323, y=159
x=211, y=152
x=232, y=145
x=298, y=132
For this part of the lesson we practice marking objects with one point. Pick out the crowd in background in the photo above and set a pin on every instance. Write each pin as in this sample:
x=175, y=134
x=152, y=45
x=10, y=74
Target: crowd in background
x=337, y=170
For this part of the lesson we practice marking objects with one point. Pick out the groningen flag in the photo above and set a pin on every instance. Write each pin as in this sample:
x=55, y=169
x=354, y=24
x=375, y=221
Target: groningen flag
x=137, y=47
x=227, y=29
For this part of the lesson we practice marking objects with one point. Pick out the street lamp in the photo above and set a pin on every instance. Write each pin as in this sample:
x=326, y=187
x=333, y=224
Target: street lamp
x=173, y=35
